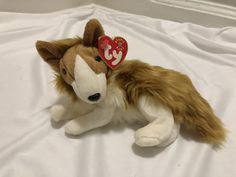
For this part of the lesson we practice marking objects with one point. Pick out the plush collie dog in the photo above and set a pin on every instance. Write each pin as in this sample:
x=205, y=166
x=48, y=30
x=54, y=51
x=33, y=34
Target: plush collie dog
x=135, y=91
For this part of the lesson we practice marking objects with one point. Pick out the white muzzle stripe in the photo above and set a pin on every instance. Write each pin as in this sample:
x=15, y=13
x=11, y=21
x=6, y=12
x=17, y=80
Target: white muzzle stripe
x=87, y=82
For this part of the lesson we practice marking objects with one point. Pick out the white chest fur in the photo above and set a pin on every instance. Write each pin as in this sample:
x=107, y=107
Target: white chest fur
x=123, y=113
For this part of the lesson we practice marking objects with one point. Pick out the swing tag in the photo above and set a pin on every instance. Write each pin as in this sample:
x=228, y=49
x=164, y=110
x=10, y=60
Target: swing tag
x=112, y=51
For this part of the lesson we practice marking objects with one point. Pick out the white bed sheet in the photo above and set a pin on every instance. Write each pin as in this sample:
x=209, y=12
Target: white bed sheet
x=31, y=146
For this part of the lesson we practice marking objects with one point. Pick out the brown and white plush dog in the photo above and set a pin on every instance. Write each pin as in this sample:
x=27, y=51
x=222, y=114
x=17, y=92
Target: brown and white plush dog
x=163, y=99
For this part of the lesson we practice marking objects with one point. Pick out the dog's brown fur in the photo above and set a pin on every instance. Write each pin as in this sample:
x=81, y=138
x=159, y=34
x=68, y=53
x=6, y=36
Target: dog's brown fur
x=52, y=52
x=93, y=30
x=136, y=78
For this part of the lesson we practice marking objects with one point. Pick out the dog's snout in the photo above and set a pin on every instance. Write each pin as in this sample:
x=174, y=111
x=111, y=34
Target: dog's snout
x=94, y=97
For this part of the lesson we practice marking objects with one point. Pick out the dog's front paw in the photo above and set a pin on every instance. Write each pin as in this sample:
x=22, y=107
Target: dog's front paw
x=73, y=128
x=57, y=112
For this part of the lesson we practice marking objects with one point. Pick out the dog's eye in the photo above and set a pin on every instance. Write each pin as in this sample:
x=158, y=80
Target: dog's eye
x=98, y=59
x=64, y=71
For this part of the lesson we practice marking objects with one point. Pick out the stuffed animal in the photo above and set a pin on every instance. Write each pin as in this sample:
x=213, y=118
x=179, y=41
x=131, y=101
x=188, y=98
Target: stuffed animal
x=135, y=91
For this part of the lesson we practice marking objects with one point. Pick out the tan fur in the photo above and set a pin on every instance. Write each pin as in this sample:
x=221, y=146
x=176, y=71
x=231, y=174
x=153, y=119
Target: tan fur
x=67, y=64
x=174, y=90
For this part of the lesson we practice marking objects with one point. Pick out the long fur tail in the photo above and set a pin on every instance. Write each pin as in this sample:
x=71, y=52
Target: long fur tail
x=200, y=118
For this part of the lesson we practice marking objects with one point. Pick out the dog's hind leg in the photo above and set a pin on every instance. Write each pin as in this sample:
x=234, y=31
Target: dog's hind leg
x=161, y=130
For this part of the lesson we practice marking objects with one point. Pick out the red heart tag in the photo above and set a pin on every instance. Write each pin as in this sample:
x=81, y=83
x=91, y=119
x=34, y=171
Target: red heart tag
x=112, y=52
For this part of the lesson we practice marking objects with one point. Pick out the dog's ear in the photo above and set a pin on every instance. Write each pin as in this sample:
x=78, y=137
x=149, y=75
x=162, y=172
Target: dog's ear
x=93, y=30
x=52, y=52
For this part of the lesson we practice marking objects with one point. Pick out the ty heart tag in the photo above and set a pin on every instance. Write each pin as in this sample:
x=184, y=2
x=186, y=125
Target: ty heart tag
x=112, y=52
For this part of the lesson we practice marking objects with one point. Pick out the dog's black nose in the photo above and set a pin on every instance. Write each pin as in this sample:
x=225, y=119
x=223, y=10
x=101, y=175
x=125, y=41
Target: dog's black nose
x=94, y=97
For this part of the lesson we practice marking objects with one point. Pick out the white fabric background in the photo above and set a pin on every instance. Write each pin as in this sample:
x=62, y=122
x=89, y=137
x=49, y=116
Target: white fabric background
x=31, y=146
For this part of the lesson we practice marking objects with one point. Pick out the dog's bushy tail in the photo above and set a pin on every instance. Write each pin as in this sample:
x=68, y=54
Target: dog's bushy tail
x=200, y=118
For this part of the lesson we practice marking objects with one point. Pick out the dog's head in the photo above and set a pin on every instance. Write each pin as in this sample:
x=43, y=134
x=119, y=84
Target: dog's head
x=77, y=63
